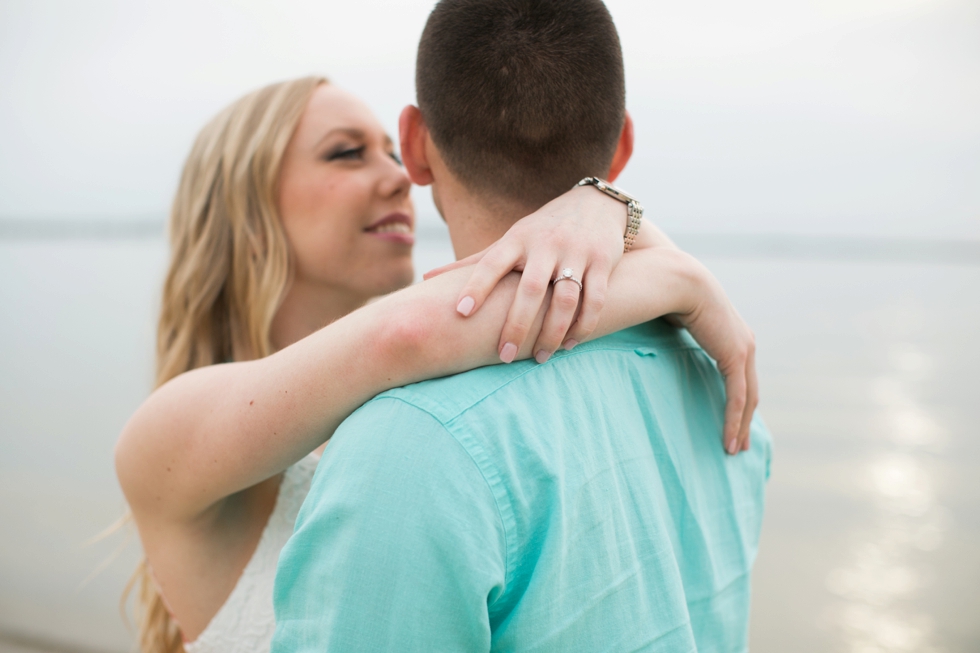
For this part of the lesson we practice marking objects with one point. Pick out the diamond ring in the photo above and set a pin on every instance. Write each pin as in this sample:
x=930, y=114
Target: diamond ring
x=567, y=274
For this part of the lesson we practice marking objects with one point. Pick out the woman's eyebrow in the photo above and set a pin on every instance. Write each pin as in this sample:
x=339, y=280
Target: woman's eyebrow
x=348, y=131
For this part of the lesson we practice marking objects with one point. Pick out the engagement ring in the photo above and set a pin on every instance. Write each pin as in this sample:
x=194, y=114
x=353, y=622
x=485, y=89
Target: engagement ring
x=567, y=274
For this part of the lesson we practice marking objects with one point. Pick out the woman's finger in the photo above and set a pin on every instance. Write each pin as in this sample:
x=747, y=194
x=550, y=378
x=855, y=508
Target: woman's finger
x=530, y=295
x=735, y=399
x=595, y=282
x=752, y=400
x=455, y=265
x=565, y=298
x=497, y=262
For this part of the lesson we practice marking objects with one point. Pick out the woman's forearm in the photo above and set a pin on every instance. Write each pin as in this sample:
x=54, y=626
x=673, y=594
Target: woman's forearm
x=217, y=430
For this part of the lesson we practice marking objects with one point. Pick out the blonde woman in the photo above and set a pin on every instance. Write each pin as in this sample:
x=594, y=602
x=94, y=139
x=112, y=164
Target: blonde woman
x=292, y=213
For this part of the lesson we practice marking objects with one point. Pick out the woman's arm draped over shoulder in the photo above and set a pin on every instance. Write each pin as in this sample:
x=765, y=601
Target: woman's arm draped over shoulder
x=664, y=281
x=573, y=231
x=212, y=432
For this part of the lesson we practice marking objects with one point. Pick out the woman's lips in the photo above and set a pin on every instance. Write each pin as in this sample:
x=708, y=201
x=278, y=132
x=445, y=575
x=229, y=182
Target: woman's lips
x=396, y=227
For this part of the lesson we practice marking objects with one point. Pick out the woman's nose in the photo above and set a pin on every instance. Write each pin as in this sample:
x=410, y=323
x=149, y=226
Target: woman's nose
x=394, y=179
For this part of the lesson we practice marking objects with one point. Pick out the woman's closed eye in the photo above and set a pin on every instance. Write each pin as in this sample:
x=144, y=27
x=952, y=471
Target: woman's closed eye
x=346, y=154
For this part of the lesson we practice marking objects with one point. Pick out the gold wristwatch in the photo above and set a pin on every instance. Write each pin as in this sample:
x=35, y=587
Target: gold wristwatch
x=634, y=210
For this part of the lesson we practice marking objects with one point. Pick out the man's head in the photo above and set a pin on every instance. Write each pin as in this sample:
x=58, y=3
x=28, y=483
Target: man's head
x=520, y=98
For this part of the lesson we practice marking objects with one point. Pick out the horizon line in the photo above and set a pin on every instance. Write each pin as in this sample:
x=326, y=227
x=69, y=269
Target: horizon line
x=744, y=245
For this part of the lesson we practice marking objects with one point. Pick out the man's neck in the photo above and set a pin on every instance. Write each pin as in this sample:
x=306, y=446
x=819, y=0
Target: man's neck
x=475, y=222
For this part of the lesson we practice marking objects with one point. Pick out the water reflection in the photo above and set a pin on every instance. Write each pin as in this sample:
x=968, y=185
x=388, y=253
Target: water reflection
x=884, y=573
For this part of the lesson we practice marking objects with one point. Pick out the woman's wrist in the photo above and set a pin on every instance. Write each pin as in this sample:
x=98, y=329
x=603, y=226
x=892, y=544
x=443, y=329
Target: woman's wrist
x=651, y=236
x=697, y=282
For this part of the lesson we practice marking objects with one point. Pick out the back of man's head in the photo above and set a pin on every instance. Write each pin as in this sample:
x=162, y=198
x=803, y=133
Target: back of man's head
x=523, y=98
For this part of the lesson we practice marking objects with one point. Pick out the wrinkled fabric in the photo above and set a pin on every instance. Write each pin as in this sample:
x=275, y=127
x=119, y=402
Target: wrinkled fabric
x=581, y=505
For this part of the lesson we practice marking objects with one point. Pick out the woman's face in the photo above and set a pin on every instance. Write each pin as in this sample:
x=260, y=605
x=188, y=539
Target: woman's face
x=344, y=201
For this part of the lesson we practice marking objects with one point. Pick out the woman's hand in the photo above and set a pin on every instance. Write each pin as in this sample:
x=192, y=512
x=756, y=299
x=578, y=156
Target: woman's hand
x=581, y=230
x=723, y=334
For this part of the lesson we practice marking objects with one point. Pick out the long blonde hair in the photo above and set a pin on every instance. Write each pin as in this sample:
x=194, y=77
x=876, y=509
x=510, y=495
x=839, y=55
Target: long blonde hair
x=229, y=267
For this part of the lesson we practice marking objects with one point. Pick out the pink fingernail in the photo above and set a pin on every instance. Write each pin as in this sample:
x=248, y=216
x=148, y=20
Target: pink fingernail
x=508, y=352
x=542, y=356
x=465, y=306
x=569, y=344
x=732, y=446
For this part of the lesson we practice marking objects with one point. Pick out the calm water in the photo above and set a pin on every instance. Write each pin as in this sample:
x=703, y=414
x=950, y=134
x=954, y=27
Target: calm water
x=869, y=378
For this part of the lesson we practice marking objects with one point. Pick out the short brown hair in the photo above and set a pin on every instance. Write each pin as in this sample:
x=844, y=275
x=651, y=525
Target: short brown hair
x=522, y=97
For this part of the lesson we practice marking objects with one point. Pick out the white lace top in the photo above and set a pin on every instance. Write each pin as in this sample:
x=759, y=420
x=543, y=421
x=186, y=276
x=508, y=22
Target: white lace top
x=246, y=622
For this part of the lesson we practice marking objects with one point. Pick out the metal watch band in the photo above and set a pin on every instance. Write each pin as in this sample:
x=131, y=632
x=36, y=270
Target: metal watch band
x=634, y=210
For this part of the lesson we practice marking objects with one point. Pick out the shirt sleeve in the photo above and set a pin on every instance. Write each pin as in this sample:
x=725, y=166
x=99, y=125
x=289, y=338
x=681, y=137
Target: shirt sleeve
x=399, y=545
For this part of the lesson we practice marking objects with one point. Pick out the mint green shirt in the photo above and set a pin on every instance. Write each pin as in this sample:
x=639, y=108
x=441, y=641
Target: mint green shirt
x=581, y=505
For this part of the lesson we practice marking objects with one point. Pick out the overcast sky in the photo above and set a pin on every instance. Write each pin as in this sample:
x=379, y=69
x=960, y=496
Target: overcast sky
x=819, y=116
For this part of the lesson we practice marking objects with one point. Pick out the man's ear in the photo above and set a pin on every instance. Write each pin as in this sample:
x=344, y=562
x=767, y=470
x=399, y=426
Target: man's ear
x=624, y=149
x=412, y=134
